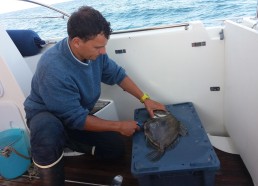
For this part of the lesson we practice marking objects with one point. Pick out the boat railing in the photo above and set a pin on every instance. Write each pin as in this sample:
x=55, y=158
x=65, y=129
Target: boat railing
x=47, y=6
x=186, y=25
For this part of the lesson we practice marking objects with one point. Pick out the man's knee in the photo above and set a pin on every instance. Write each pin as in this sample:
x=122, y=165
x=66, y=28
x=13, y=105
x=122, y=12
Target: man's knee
x=47, y=138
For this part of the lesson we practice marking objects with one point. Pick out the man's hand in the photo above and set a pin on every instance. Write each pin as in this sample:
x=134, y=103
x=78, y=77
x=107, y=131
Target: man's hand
x=128, y=128
x=152, y=105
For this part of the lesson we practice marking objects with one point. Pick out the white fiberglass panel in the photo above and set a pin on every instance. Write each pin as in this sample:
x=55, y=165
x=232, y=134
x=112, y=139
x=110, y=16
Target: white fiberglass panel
x=241, y=92
x=166, y=66
x=15, y=76
x=15, y=62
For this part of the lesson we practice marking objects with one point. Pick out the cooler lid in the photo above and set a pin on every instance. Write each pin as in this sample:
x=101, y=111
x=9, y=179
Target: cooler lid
x=193, y=151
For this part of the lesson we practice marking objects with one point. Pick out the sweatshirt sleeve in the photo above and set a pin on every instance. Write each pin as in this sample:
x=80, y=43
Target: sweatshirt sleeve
x=61, y=96
x=112, y=73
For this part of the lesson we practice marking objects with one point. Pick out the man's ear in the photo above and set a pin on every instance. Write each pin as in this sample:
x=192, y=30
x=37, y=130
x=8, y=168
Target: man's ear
x=76, y=42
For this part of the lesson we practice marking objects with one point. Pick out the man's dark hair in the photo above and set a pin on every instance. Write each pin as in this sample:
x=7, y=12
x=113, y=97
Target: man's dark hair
x=87, y=23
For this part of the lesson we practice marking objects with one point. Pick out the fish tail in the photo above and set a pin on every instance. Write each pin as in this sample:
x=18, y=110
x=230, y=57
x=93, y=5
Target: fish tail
x=155, y=155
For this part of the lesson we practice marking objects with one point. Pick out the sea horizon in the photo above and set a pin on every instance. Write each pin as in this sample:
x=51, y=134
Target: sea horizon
x=133, y=14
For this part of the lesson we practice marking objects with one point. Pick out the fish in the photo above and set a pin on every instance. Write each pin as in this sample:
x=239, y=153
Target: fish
x=162, y=132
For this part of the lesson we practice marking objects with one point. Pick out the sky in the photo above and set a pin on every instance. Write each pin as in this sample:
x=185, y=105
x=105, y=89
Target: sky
x=13, y=5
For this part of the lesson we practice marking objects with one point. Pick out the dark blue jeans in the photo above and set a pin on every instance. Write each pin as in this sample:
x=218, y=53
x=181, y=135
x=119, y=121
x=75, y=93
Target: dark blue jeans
x=49, y=137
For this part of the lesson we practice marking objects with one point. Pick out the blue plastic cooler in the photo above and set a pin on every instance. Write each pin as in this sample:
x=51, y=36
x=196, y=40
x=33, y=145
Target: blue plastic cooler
x=192, y=161
x=14, y=153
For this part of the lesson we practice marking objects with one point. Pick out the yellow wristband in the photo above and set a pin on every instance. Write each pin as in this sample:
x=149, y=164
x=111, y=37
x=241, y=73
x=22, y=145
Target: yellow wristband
x=144, y=97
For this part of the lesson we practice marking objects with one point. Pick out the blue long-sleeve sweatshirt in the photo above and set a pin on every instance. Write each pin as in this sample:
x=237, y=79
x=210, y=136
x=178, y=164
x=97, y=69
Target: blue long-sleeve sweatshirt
x=67, y=87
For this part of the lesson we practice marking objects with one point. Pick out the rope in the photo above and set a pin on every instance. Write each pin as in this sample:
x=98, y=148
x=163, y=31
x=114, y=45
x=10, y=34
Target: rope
x=6, y=152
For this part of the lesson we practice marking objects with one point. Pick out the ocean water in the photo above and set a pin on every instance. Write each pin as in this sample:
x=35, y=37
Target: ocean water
x=130, y=14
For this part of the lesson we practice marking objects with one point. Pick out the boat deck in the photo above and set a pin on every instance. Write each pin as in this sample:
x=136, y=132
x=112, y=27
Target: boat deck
x=84, y=170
